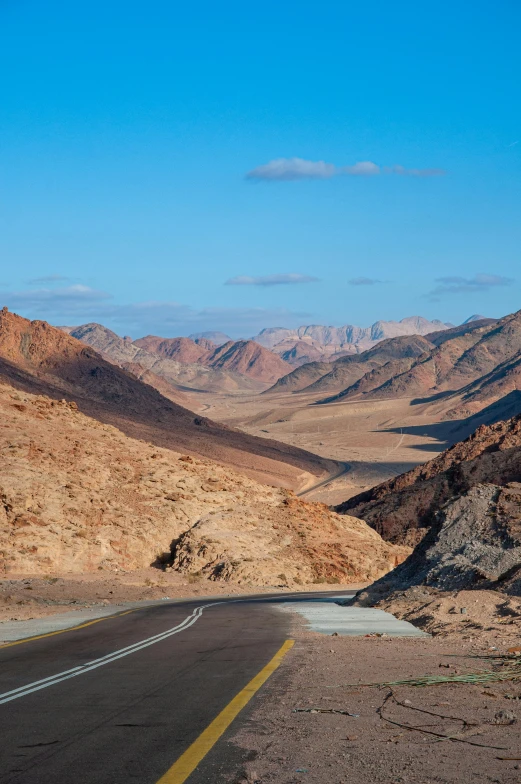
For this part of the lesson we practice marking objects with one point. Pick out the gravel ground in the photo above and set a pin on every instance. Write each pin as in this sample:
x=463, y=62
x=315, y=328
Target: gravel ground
x=285, y=747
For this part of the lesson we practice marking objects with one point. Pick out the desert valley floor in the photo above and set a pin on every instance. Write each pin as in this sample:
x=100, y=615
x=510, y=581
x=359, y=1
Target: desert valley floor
x=375, y=439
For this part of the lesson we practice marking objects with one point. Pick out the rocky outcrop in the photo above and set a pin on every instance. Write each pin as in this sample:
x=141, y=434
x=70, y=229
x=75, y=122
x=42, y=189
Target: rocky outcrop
x=474, y=542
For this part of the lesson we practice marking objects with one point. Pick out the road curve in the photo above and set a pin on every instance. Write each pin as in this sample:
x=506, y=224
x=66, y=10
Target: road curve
x=346, y=467
x=124, y=699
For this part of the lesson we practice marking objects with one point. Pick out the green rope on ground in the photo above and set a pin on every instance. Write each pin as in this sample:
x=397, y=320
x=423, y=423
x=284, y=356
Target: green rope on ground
x=509, y=669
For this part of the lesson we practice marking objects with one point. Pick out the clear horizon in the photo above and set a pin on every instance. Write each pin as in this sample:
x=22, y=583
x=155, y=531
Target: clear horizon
x=169, y=170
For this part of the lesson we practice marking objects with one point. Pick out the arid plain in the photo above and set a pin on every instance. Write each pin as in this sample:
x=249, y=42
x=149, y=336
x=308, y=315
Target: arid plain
x=376, y=440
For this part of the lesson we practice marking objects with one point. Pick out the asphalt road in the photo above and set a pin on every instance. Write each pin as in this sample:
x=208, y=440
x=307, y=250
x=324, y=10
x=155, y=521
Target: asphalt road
x=345, y=469
x=107, y=704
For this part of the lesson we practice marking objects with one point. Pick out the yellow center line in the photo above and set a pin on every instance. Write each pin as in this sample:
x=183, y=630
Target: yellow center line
x=63, y=631
x=190, y=759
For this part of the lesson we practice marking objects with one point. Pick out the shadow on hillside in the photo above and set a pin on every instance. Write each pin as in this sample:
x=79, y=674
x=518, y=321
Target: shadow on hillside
x=113, y=396
x=450, y=432
x=432, y=398
x=445, y=433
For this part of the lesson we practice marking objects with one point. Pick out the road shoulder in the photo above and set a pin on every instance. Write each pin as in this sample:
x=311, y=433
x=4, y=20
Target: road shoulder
x=288, y=747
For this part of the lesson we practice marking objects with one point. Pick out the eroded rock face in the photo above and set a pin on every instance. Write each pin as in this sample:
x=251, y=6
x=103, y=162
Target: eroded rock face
x=474, y=542
x=78, y=495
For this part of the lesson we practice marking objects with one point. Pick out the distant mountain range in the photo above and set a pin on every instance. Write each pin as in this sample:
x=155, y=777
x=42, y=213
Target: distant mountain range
x=328, y=360
x=324, y=344
x=185, y=364
x=459, y=371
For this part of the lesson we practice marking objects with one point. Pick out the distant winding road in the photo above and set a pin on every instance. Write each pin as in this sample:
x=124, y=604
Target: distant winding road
x=345, y=469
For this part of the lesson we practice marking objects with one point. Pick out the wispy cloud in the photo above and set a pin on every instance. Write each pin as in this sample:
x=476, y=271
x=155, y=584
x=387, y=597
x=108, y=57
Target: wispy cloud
x=79, y=304
x=360, y=169
x=454, y=284
x=47, y=279
x=401, y=170
x=46, y=300
x=287, y=169
x=364, y=281
x=292, y=169
x=290, y=278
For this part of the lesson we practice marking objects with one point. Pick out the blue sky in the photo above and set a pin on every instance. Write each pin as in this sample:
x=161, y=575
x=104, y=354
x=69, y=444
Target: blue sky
x=175, y=167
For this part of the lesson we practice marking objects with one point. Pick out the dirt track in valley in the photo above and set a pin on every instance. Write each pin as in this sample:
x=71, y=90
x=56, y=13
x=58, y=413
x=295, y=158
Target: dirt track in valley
x=378, y=439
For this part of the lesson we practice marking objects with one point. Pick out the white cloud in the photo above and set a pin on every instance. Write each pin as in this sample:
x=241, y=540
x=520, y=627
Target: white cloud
x=286, y=169
x=44, y=300
x=78, y=304
x=364, y=281
x=454, y=284
x=361, y=169
x=270, y=280
x=292, y=169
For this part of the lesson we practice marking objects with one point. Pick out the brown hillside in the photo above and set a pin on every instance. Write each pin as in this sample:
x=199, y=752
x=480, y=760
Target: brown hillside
x=38, y=358
x=403, y=509
x=457, y=362
x=77, y=495
x=300, y=378
x=249, y=359
x=504, y=380
x=463, y=329
x=180, y=349
x=180, y=375
x=342, y=373
x=373, y=379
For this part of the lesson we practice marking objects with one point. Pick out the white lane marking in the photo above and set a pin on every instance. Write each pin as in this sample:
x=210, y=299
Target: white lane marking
x=108, y=657
x=14, y=694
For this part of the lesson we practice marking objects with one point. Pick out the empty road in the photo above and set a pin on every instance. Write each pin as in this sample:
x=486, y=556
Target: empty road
x=141, y=696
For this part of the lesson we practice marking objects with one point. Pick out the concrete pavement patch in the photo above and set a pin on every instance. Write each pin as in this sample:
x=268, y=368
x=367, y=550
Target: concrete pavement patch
x=327, y=617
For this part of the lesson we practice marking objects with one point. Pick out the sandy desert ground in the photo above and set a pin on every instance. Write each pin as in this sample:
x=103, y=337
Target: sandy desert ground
x=453, y=733
x=376, y=439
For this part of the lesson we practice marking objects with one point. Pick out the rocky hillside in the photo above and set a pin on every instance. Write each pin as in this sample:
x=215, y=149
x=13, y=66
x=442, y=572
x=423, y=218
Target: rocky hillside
x=38, y=358
x=77, y=495
x=404, y=509
x=178, y=361
x=319, y=377
x=504, y=382
x=480, y=362
x=474, y=541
